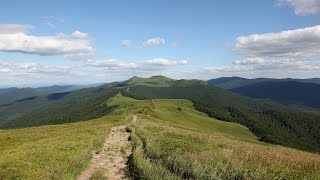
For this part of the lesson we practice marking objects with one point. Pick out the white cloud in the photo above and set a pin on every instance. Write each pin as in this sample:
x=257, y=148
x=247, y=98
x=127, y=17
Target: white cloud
x=32, y=67
x=14, y=28
x=4, y=70
x=113, y=64
x=229, y=69
x=80, y=35
x=272, y=65
x=278, y=54
x=154, y=42
x=293, y=43
x=153, y=64
x=126, y=43
x=166, y=62
x=249, y=61
x=303, y=7
x=16, y=73
x=17, y=40
x=50, y=69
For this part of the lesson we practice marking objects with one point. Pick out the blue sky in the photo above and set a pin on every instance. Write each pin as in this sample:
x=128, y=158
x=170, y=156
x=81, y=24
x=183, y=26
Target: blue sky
x=63, y=42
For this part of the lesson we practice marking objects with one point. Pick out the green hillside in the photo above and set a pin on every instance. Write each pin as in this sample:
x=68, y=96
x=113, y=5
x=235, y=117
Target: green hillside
x=170, y=140
x=57, y=108
x=18, y=102
x=52, y=152
x=154, y=81
x=270, y=121
x=19, y=94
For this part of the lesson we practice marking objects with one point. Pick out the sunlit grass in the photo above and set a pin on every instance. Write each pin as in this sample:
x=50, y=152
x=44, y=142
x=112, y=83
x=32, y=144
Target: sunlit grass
x=170, y=140
x=173, y=141
x=52, y=152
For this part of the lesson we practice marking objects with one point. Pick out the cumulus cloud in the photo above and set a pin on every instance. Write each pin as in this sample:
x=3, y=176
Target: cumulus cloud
x=113, y=64
x=14, y=28
x=228, y=69
x=249, y=61
x=18, y=40
x=293, y=43
x=80, y=35
x=154, y=42
x=4, y=70
x=32, y=67
x=46, y=69
x=274, y=65
x=166, y=62
x=152, y=64
x=302, y=7
x=272, y=54
x=90, y=71
x=126, y=43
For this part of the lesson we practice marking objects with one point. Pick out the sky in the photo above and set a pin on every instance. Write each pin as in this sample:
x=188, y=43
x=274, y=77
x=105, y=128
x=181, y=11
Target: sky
x=44, y=42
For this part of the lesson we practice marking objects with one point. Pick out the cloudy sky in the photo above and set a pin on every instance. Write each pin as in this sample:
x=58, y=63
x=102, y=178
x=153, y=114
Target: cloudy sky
x=45, y=42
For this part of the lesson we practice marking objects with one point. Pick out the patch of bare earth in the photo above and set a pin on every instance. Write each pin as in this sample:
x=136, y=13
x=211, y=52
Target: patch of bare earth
x=112, y=160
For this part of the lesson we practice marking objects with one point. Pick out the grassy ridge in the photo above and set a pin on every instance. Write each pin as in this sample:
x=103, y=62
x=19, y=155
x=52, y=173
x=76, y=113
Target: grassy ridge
x=173, y=141
x=79, y=105
x=52, y=152
x=271, y=122
x=191, y=155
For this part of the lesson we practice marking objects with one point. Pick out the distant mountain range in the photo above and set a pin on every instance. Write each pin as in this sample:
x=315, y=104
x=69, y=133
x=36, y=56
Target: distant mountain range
x=270, y=121
x=9, y=95
x=5, y=90
x=300, y=92
x=235, y=82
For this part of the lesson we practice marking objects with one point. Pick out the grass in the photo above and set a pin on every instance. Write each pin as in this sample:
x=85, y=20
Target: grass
x=98, y=175
x=171, y=140
x=154, y=81
x=52, y=152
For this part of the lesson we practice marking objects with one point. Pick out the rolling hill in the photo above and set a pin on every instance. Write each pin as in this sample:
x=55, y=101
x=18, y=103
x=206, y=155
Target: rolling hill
x=57, y=108
x=24, y=100
x=169, y=138
x=11, y=95
x=270, y=121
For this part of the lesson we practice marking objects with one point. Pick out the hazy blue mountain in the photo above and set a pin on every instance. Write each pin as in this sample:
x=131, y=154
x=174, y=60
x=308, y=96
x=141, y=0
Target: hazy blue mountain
x=59, y=89
x=11, y=95
x=5, y=90
x=22, y=93
x=235, y=82
x=288, y=92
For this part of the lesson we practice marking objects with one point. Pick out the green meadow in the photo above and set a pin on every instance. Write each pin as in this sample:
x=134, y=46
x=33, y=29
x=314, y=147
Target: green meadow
x=52, y=152
x=170, y=140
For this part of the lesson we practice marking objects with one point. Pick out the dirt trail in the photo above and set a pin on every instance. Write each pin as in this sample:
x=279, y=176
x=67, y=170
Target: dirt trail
x=134, y=118
x=112, y=160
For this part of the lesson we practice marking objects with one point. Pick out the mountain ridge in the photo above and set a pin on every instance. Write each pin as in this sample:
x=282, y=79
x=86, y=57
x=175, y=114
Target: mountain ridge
x=270, y=121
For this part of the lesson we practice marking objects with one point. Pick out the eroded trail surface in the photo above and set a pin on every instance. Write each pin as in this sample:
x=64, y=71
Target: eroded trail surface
x=112, y=160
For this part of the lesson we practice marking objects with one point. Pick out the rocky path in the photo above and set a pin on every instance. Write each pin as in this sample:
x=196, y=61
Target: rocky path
x=112, y=160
